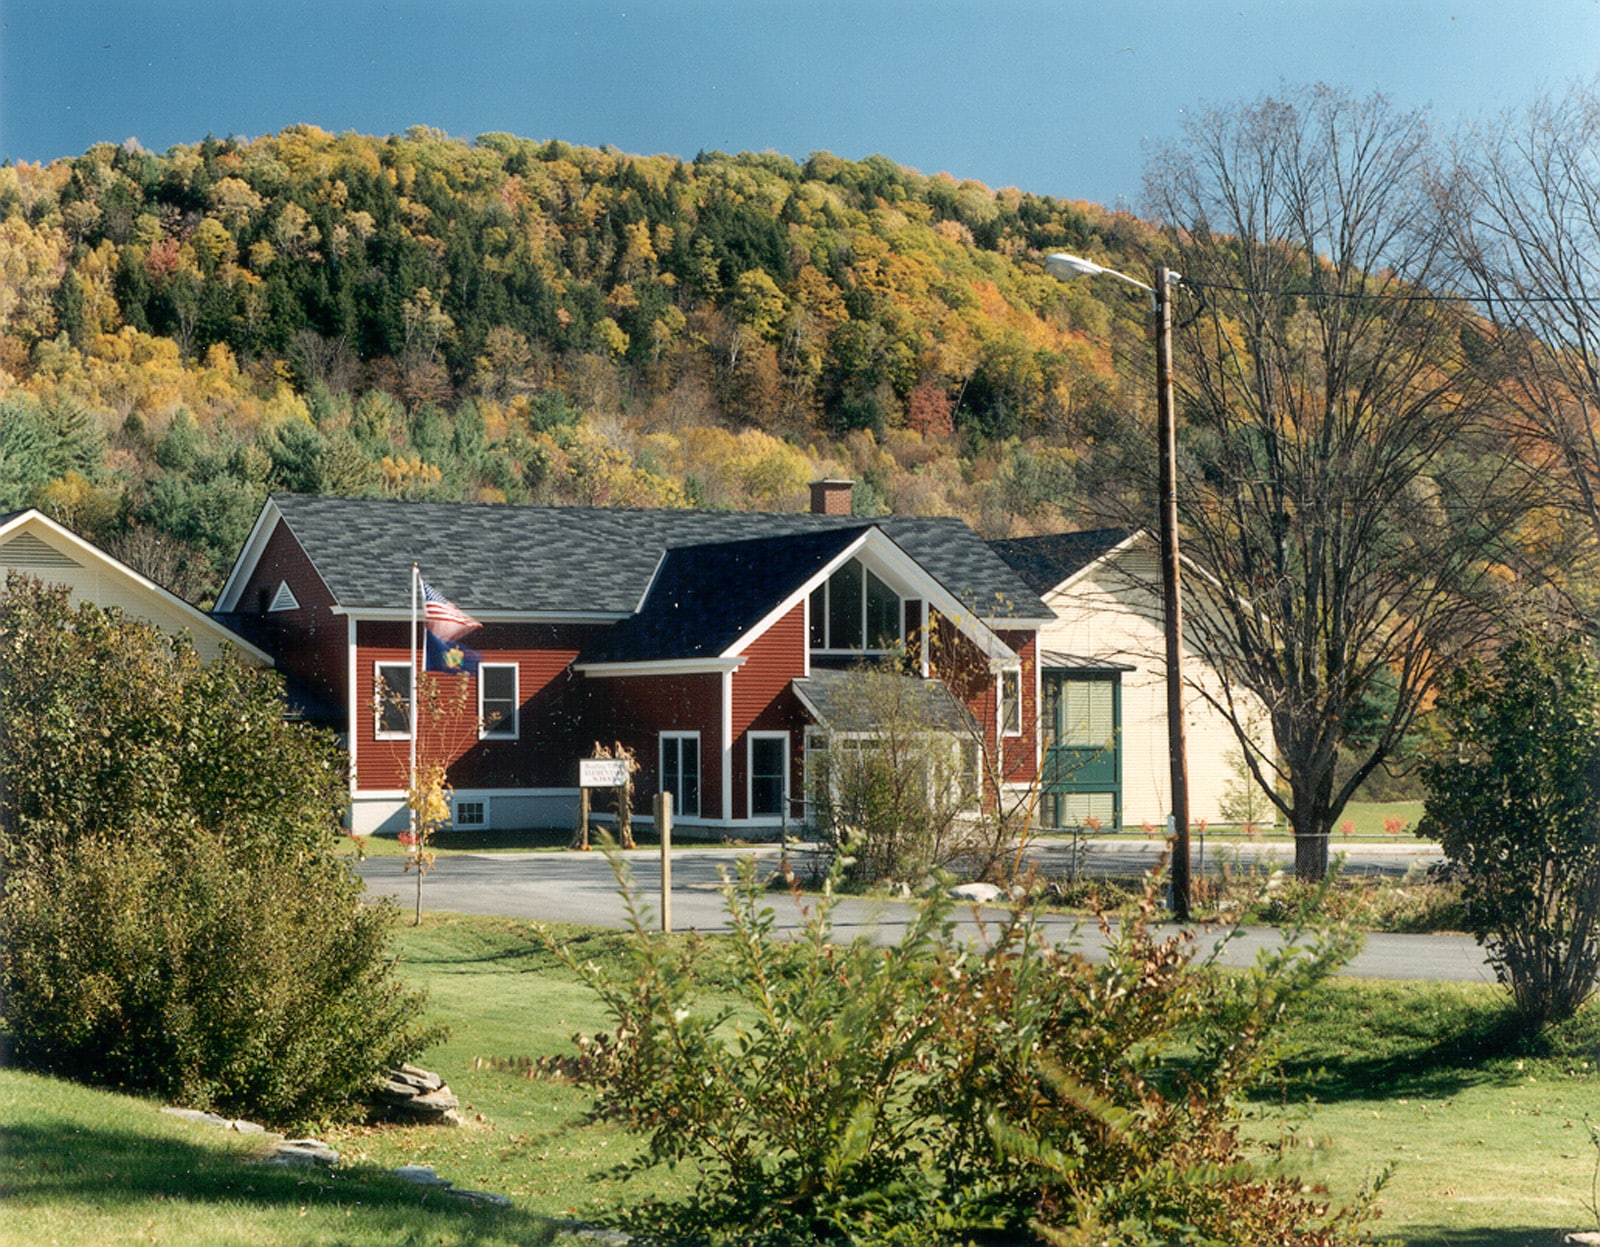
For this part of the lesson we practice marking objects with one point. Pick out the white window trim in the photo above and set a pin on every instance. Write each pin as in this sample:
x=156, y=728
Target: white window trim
x=700, y=769
x=516, y=702
x=1008, y=673
x=458, y=801
x=819, y=739
x=377, y=710
x=750, y=773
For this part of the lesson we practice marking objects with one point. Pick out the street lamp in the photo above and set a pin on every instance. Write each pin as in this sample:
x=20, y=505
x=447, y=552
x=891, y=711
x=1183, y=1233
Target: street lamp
x=1066, y=267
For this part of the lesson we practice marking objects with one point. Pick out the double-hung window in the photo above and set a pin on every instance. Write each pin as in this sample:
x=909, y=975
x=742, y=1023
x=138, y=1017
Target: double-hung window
x=497, y=701
x=680, y=771
x=769, y=774
x=392, y=700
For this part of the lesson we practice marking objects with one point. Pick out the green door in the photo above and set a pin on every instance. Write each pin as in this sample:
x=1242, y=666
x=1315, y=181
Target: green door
x=1082, y=782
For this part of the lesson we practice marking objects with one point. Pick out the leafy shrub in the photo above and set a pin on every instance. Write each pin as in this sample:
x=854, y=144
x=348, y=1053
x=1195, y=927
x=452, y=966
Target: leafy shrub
x=174, y=918
x=1516, y=808
x=931, y=1091
x=205, y=978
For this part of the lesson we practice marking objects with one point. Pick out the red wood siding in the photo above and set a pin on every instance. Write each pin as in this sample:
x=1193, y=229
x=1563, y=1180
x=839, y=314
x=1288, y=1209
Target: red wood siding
x=764, y=701
x=550, y=712
x=635, y=710
x=309, y=643
x=965, y=670
x=1021, y=761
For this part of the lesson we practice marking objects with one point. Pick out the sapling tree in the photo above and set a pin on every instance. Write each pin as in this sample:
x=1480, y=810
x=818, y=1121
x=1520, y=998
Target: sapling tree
x=440, y=703
x=1516, y=808
x=892, y=801
x=921, y=784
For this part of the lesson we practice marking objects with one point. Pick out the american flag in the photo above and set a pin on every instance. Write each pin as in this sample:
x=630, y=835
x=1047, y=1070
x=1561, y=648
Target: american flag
x=444, y=618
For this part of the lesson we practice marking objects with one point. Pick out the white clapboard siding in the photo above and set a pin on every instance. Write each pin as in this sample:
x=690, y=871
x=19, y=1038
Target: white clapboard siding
x=1112, y=612
x=34, y=545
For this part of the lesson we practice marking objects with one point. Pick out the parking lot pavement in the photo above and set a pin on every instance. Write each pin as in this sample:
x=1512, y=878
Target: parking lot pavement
x=581, y=888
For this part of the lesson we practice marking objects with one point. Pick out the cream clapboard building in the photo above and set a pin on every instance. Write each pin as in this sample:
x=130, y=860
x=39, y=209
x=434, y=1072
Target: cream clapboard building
x=35, y=545
x=1103, y=685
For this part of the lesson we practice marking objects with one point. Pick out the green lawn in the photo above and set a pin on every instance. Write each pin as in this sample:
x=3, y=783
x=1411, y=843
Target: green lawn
x=83, y=1167
x=1486, y=1132
x=1486, y=1129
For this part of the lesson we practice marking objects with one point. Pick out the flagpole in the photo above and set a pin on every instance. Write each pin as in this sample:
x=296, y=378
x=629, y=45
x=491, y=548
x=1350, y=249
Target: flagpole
x=416, y=700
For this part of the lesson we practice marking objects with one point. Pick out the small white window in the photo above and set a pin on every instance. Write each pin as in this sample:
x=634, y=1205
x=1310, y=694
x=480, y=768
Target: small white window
x=472, y=812
x=1011, y=702
x=497, y=701
x=284, y=599
x=391, y=700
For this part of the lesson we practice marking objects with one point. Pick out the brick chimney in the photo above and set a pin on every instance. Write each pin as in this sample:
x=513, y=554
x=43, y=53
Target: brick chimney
x=831, y=497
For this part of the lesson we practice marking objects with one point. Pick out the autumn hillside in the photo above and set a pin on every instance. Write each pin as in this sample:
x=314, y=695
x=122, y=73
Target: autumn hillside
x=504, y=319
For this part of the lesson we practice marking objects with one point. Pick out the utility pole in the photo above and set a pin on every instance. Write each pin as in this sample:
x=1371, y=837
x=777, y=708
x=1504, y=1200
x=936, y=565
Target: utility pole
x=1066, y=267
x=1171, y=594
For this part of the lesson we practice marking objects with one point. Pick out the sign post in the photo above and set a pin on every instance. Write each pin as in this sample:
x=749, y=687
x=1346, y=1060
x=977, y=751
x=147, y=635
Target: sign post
x=663, y=813
x=596, y=773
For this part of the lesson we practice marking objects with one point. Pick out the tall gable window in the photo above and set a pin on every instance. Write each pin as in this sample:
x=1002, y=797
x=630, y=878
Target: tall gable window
x=854, y=611
x=1011, y=702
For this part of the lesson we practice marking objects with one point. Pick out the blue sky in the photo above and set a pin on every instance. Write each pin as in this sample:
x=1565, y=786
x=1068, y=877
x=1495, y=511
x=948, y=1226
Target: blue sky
x=1056, y=98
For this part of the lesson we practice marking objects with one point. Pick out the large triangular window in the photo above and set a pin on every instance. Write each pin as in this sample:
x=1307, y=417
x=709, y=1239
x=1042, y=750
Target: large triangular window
x=855, y=612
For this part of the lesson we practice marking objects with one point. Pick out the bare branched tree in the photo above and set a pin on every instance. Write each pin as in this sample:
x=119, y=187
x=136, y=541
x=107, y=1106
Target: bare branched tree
x=1335, y=483
x=1523, y=210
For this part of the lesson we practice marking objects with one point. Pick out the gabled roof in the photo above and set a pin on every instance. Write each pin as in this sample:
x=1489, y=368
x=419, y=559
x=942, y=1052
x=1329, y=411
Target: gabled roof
x=1044, y=563
x=689, y=612
x=35, y=544
x=594, y=562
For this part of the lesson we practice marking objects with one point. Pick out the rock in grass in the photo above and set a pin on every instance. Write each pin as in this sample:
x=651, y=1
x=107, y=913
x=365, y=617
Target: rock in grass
x=215, y=1119
x=977, y=893
x=421, y=1175
x=415, y=1096
x=482, y=1197
x=306, y=1152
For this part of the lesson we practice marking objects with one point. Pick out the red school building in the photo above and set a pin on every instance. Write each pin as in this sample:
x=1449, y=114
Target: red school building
x=713, y=645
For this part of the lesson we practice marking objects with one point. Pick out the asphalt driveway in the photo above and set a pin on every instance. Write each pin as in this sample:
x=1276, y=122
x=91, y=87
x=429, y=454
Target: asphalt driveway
x=580, y=887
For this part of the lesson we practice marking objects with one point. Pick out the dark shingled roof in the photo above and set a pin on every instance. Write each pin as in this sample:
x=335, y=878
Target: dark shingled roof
x=691, y=614
x=590, y=560
x=1044, y=562
x=845, y=701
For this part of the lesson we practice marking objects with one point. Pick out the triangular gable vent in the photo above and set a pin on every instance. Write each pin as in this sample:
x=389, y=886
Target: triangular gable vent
x=26, y=550
x=284, y=599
